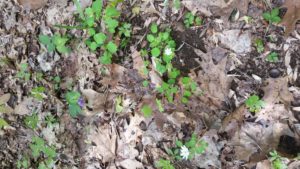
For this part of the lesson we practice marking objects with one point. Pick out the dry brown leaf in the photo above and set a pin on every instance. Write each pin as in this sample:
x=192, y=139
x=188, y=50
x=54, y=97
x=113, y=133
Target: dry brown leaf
x=214, y=80
x=32, y=4
x=277, y=90
x=138, y=62
x=4, y=108
x=292, y=15
x=216, y=7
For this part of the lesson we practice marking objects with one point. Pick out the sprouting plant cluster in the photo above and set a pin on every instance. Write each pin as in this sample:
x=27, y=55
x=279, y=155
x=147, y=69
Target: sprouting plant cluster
x=276, y=160
x=192, y=20
x=42, y=153
x=75, y=103
x=55, y=42
x=254, y=103
x=183, y=151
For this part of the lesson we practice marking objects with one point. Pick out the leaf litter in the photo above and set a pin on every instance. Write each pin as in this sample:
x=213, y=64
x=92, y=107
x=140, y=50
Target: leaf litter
x=112, y=132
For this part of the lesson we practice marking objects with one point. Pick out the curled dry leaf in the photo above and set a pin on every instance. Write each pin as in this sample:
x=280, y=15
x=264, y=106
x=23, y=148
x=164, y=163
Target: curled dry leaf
x=292, y=15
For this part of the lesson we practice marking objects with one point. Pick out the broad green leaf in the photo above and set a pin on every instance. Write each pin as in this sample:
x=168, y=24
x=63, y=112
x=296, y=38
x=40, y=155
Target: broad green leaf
x=93, y=46
x=44, y=39
x=72, y=97
x=275, y=12
x=154, y=28
x=111, y=12
x=74, y=110
x=100, y=38
x=106, y=58
x=150, y=38
x=147, y=111
x=97, y=8
x=111, y=24
x=111, y=47
x=178, y=143
x=266, y=16
x=155, y=52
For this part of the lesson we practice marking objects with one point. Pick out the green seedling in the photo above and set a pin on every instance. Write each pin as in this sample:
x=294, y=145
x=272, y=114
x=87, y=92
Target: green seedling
x=73, y=100
x=189, y=87
x=23, y=163
x=176, y=4
x=272, y=57
x=24, y=72
x=32, y=121
x=46, y=153
x=38, y=93
x=191, y=148
x=259, y=44
x=50, y=120
x=276, y=161
x=254, y=103
x=168, y=90
x=147, y=111
x=164, y=164
x=192, y=20
x=159, y=105
x=57, y=42
x=272, y=17
x=57, y=81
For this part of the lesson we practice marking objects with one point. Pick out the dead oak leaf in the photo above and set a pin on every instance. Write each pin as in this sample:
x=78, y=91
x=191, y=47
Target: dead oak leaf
x=292, y=15
x=32, y=4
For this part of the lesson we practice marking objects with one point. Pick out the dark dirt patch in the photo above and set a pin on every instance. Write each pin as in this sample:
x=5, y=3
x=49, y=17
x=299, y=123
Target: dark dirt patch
x=186, y=59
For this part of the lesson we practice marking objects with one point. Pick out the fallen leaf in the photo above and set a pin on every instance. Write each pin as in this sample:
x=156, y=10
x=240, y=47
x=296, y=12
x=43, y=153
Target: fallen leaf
x=292, y=15
x=216, y=7
x=32, y=4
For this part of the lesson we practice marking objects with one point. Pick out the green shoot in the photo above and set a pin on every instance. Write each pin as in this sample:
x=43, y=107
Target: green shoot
x=38, y=93
x=164, y=164
x=24, y=72
x=272, y=57
x=276, y=161
x=32, y=121
x=55, y=42
x=254, y=103
x=272, y=17
x=73, y=99
x=147, y=111
x=3, y=123
x=191, y=20
x=259, y=45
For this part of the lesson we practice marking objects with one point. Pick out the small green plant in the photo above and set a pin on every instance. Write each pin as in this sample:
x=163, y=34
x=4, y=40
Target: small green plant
x=147, y=111
x=189, y=88
x=56, y=41
x=272, y=57
x=38, y=93
x=276, y=161
x=119, y=106
x=50, y=120
x=259, y=44
x=24, y=72
x=74, y=102
x=32, y=121
x=272, y=17
x=46, y=153
x=189, y=149
x=176, y=4
x=164, y=164
x=254, y=103
x=168, y=90
x=3, y=123
x=23, y=163
x=57, y=81
x=192, y=20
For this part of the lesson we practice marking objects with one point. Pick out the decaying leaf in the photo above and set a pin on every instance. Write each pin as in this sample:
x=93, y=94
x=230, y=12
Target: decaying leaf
x=216, y=7
x=32, y=4
x=214, y=80
x=4, y=108
x=292, y=15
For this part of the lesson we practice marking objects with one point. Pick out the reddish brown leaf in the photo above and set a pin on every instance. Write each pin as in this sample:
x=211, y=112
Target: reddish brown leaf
x=292, y=15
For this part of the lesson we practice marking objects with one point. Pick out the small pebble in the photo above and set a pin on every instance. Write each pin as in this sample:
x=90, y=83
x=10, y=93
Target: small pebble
x=274, y=73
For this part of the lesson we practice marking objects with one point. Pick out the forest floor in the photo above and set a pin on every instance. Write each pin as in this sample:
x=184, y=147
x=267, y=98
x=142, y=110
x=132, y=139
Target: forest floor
x=132, y=84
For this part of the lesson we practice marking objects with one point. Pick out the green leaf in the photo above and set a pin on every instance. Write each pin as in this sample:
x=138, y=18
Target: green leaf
x=185, y=80
x=49, y=152
x=267, y=16
x=74, y=109
x=155, y=52
x=111, y=47
x=276, y=19
x=184, y=100
x=275, y=12
x=111, y=24
x=187, y=93
x=78, y=8
x=97, y=8
x=111, y=12
x=44, y=39
x=93, y=46
x=31, y=121
x=3, y=123
x=91, y=31
x=72, y=97
x=100, y=38
x=154, y=28
x=106, y=58
x=147, y=111
x=178, y=143
x=150, y=38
